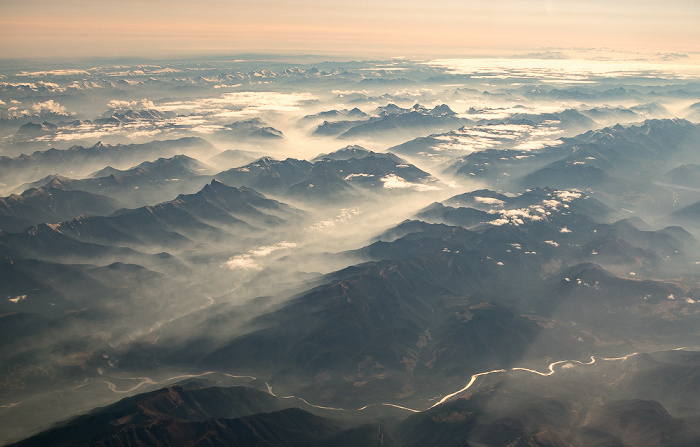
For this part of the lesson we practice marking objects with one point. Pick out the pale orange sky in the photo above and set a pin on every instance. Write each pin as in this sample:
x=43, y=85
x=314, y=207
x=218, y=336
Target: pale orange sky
x=69, y=28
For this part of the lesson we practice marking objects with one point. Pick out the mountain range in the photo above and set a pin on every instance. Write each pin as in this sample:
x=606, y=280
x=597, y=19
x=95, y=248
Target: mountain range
x=513, y=408
x=82, y=160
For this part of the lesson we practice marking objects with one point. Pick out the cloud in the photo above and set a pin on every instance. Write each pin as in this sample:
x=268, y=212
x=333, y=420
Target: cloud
x=241, y=103
x=242, y=262
x=268, y=250
x=393, y=181
x=515, y=217
x=568, y=196
x=50, y=86
x=17, y=299
x=489, y=200
x=33, y=86
x=49, y=107
x=227, y=85
x=537, y=212
x=352, y=176
x=165, y=70
x=523, y=137
x=671, y=56
x=248, y=261
x=350, y=92
x=134, y=105
x=566, y=70
x=345, y=215
x=544, y=55
x=63, y=72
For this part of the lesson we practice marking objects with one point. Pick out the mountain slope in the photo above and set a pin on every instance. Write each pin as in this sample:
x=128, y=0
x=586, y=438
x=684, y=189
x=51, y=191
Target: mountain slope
x=179, y=416
x=81, y=160
x=50, y=205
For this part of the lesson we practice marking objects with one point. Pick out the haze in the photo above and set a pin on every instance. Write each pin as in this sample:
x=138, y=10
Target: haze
x=83, y=28
x=453, y=223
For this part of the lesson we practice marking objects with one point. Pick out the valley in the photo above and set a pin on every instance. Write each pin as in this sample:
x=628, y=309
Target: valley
x=285, y=251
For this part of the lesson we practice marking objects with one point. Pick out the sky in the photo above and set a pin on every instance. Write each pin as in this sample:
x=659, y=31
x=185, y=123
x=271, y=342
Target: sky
x=385, y=28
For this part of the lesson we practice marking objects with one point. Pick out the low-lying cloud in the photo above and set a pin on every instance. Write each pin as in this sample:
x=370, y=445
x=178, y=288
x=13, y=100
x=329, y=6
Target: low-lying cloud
x=134, y=105
x=249, y=261
x=393, y=181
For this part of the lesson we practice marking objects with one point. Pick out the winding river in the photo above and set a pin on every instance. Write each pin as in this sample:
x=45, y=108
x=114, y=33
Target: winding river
x=142, y=381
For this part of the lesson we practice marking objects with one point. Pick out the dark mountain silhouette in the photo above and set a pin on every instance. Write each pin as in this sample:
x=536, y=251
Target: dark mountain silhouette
x=82, y=159
x=149, y=182
x=49, y=204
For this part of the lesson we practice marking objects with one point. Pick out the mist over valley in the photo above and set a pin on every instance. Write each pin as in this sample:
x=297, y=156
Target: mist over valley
x=297, y=250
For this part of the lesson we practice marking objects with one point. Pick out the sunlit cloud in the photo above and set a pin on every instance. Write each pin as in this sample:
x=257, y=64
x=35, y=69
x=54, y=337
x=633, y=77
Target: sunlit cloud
x=393, y=181
x=61, y=72
x=568, y=196
x=249, y=261
x=536, y=212
x=17, y=299
x=125, y=105
x=489, y=200
x=40, y=109
x=164, y=71
x=39, y=86
x=360, y=175
x=350, y=92
x=564, y=70
x=241, y=103
x=345, y=215
x=522, y=137
x=49, y=106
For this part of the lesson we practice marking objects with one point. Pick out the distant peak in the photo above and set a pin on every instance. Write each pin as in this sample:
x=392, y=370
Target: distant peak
x=354, y=147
